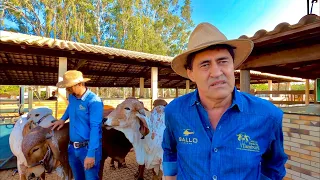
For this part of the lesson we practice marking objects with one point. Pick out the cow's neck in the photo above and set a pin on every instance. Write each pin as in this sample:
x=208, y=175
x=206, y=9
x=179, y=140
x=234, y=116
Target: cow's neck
x=134, y=136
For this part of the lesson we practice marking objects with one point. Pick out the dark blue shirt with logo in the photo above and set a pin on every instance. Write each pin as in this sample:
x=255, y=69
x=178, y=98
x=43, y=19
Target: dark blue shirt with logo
x=246, y=144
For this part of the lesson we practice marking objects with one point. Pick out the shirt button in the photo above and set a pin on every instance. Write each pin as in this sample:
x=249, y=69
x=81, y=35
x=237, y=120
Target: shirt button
x=214, y=177
x=208, y=127
x=215, y=149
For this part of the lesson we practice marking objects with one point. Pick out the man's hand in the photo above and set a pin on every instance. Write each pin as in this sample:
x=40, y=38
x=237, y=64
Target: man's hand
x=88, y=163
x=58, y=123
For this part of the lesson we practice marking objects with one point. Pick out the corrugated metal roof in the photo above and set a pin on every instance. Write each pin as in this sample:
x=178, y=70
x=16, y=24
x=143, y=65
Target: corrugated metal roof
x=18, y=38
x=283, y=27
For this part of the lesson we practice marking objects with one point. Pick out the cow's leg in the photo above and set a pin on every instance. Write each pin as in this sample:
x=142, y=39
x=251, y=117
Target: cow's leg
x=154, y=177
x=22, y=171
x=101, y=167
x=43, y=176
x=139, y=174
x=112, y=167
x=122, y=163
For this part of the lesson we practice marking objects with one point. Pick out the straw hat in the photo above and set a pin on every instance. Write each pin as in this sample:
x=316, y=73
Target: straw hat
x=205, y=35
x=71, y=78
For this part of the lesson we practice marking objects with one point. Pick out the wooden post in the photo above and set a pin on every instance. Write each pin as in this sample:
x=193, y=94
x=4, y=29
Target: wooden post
x=48, y=92
x=315, y=91
x=97, y=91
x=307, y=89
x=187, y=86
x=289, y=89
x=154, y=83
x=270, y=88
x=21, y=100
x=177, y=92
x=141, y=95
x=133, y=92
x=245, y=81
x=30, y=99
x=39, y=92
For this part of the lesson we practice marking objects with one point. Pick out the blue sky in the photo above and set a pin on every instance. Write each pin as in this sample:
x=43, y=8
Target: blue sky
x=244, y=17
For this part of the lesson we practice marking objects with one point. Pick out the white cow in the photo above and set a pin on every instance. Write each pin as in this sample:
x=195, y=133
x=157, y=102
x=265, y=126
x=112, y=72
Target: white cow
x=143, y=129
x=41, y=116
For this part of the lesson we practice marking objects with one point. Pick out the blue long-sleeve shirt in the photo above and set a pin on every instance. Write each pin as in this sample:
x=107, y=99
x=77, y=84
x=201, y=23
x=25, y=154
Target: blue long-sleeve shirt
x=85, y=116
x=246, y=144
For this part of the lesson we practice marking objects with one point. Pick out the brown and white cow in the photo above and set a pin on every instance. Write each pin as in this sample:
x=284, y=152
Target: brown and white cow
x=136, y=123
x=41, y=116
x=49, y=149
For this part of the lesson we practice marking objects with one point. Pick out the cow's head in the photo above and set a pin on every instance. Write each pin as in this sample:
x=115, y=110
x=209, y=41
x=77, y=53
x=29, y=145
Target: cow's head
x=159, y=102
x=38, y=115
x=129, y=114
x=36, y=149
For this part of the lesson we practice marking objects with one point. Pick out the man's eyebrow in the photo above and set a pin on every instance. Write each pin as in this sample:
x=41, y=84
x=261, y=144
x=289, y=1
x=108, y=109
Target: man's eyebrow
x=204, y=61
x=222, y=58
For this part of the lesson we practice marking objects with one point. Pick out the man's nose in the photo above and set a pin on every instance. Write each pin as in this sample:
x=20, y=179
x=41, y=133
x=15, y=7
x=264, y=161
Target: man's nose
x=215, y=71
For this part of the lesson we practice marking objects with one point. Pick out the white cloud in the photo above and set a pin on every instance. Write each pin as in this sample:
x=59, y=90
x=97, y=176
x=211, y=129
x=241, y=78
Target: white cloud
x=285, y=11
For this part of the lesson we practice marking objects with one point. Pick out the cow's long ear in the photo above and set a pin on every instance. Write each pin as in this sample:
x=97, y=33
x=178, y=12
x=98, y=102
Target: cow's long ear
x=27, y=128
x=144, y=130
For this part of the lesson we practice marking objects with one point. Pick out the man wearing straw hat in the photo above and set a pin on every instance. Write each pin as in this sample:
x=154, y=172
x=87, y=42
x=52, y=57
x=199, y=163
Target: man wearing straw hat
x=84, y=111
x=217, y=132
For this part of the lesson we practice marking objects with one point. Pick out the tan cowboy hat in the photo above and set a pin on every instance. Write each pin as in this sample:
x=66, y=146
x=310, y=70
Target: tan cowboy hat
x=71, y=78
x=205, y=35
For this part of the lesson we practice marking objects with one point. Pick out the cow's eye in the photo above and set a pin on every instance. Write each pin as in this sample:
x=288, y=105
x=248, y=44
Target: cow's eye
x=126, y=108
x=34, y=150
x=37, y=115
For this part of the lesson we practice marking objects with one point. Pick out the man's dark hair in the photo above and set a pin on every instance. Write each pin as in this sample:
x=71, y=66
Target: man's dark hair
x=191, y=56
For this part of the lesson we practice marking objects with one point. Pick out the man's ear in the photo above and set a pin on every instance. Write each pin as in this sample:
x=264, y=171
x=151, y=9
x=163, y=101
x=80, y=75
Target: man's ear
x=190, y=75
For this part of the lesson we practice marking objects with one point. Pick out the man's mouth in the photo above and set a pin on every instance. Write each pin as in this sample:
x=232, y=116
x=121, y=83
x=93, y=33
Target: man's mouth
x=216, y=83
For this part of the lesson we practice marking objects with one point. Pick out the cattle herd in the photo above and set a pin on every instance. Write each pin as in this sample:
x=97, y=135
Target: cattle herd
x=130, y=125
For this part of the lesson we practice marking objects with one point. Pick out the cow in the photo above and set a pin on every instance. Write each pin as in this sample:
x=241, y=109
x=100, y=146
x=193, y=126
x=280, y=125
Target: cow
x=136, y=123
x=41, y=116
x=159, y=102
x=49, y=149
x=114, y=145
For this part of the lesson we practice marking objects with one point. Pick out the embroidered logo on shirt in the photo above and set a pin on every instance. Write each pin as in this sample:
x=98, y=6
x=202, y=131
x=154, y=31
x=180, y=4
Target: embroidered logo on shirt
x=188, y=139
x=81, y=107
x=247, y=144
x=187, y=132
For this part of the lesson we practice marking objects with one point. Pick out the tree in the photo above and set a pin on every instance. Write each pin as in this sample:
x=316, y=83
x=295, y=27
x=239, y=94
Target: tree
x=11, y=90
x=152, y=26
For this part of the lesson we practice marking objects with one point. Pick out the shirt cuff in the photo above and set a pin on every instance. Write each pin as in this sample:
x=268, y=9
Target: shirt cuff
x=91, y=153
x=169, y=168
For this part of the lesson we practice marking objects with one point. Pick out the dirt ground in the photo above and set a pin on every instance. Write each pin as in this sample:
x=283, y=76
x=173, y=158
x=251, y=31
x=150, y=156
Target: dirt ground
x=118, y=174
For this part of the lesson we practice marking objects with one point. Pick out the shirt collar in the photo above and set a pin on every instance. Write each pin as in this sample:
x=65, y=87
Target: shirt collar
x=85, y=95
x=236, y=99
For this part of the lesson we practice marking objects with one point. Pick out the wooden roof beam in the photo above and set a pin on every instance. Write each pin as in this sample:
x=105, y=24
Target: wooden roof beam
x=17, y=67
x=302, y=54
x=293, y=73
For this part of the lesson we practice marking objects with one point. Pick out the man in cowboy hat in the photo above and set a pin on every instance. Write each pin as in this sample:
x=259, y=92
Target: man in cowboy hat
x=217, y=132
x=85, y=111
